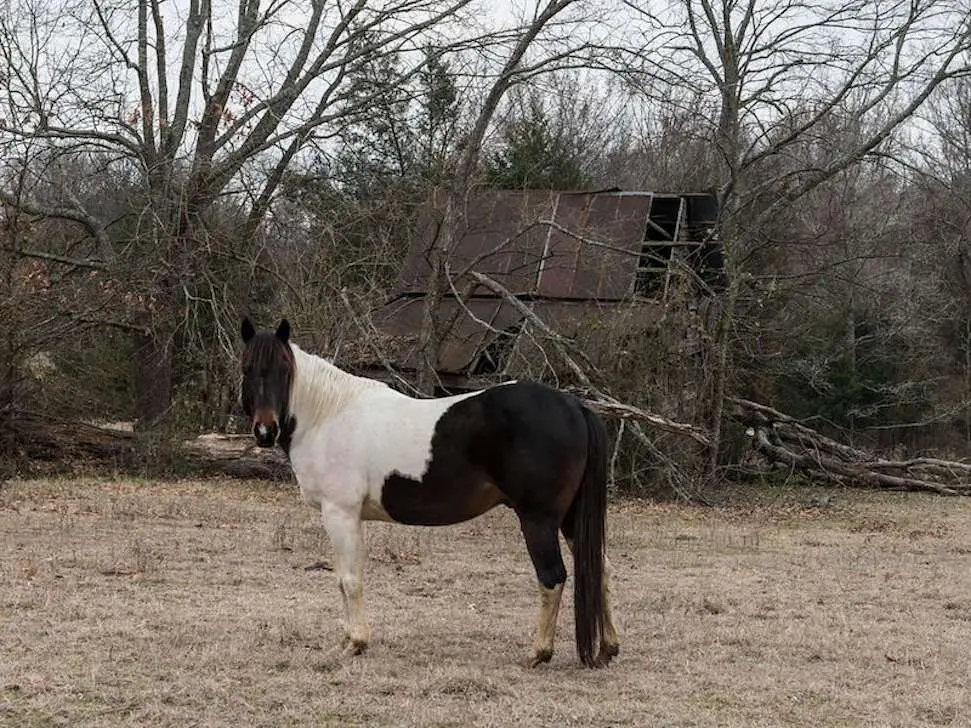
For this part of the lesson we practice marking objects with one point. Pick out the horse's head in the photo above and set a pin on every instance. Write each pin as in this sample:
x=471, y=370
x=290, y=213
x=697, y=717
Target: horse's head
x=268, y=369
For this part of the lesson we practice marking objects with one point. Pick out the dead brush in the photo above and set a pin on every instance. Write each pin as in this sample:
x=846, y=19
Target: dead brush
x=140, y=559
x=312, y=538
x=145, y=559
x=287, y=632
x=394, y=546
x=282, y=538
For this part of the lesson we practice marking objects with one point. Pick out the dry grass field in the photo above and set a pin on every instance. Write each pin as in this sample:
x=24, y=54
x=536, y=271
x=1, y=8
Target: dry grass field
x=187, y=604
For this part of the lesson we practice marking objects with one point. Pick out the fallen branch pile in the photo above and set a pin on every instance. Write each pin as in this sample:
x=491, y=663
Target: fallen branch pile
x=613, y=408
x=781, y=439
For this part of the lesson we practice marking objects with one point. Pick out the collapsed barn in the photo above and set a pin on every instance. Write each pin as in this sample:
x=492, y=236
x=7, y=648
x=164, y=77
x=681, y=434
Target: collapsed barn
x=594, y=266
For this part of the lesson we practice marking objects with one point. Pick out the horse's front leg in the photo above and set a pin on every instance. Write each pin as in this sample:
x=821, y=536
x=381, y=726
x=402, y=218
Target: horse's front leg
x=346, y=535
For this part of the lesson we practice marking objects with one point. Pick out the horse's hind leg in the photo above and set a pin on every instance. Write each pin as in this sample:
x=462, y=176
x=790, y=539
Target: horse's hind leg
x=347, y=538
x=542, y=542
x=610, y=640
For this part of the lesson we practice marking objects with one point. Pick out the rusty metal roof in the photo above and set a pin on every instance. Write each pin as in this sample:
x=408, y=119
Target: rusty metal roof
x=557, y=250
x=502, y=238
x=473, y=325
x=554, y=244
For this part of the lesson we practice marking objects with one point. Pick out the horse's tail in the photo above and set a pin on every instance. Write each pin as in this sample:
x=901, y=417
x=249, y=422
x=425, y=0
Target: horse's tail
x=589, y=540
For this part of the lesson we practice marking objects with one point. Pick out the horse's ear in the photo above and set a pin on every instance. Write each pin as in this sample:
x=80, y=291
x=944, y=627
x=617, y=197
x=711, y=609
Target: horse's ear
x=247, y=330
x=283, y=331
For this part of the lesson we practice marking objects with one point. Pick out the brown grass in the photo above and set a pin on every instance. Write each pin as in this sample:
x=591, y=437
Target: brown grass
x=187, y=604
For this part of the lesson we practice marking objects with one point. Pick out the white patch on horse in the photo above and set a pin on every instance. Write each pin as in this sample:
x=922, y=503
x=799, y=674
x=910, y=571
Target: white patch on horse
x=353, y=432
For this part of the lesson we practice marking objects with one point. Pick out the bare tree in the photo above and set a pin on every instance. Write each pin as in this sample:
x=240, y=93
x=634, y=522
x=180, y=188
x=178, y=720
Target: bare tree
x=770, y=76
x=211, y=105
x=942, y=223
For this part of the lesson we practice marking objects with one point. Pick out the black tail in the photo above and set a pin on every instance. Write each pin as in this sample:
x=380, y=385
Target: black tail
x=590, y=535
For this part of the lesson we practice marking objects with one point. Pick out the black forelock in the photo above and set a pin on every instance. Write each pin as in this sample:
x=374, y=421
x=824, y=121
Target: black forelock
x=265, y=349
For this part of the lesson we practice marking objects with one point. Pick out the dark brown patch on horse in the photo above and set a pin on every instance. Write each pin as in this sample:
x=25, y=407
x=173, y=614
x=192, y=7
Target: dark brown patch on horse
x=522, y=444
x=430, y=502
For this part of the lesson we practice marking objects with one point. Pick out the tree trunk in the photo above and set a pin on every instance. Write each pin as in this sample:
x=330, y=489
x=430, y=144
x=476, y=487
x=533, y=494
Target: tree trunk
x=719, y=378
x=431, y=331
x=153, y=375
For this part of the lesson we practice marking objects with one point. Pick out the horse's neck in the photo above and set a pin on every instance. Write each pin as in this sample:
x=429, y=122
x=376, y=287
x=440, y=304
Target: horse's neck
x=321, y=390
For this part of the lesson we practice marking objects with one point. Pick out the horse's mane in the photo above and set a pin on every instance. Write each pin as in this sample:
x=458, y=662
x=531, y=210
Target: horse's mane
x=320, y=389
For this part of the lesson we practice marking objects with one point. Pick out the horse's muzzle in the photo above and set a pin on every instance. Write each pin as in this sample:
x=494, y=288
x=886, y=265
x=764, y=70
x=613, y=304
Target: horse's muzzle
x=266, y=434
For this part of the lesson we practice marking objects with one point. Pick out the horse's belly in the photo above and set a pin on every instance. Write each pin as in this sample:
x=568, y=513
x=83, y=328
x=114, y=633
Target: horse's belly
x=434, y=503
x=372, y=510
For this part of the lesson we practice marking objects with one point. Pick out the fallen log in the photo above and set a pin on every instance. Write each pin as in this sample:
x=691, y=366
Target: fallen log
x=65, y=444
x=43, y=438
x=754, y=414
x=238, y=456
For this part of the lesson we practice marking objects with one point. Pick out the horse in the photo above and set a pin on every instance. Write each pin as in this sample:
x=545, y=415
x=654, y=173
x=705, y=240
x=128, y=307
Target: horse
x=361, y=451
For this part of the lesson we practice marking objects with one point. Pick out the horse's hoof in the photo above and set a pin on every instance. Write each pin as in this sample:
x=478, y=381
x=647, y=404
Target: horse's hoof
x=540, y=657
x=354, y=647
x=607, y=653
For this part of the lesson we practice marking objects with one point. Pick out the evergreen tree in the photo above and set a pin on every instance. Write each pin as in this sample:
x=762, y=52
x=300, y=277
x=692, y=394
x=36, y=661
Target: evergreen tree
x=378, y=144
x=437, y=116
x=538, y=150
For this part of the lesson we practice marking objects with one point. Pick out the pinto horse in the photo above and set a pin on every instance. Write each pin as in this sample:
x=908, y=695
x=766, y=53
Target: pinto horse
x=363, y=451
